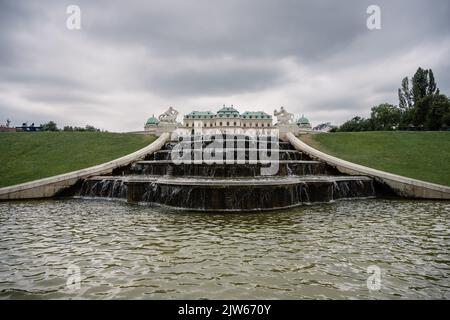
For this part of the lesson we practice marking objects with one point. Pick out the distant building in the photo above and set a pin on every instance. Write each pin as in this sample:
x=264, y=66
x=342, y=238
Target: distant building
x=26, y=128
x=324, y=127
x=303, y=123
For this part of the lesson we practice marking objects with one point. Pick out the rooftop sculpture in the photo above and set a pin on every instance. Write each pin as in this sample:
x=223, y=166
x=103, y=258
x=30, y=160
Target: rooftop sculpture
x=169, y=116
x=283, y=117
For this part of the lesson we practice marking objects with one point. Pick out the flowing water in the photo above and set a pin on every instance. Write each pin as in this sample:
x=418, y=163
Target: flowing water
x=136, y=251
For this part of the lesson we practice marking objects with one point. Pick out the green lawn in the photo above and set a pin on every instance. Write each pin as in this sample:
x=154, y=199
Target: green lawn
x=419, y=155
x=27, y=156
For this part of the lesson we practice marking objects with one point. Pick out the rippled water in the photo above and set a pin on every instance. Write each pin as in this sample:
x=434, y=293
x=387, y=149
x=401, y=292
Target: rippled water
x=132, y=251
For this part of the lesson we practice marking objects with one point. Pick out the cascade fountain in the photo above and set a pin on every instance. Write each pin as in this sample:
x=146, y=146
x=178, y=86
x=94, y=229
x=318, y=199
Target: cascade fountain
x=234, y=184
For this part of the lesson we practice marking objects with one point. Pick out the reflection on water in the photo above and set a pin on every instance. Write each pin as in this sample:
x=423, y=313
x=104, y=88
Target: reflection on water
x=132, y=251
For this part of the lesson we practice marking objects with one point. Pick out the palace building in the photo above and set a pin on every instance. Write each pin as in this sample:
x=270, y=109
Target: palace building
x=227, y=120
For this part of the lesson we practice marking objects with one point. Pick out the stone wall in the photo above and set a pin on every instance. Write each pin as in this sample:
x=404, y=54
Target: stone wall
x=401, y=186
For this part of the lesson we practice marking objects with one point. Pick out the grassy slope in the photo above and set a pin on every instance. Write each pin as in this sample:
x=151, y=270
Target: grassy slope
x=419, y=155
x=29, y=156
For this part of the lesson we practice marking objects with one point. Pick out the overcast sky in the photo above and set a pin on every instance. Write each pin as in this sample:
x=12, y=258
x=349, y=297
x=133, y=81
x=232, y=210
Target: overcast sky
x=132, y=59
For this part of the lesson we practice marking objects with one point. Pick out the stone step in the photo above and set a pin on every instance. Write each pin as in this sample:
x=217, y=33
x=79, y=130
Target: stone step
x=235, y=153
x=229, y=170
x=230, y=142
x=229, y=194
x=212, y=162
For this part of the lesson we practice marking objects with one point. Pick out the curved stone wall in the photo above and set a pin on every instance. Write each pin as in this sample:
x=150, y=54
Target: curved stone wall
x=402, y=186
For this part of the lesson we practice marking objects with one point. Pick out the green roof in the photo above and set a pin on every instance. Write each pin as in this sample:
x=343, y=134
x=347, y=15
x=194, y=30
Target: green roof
x=256, y=115
x=302, y=120
x=228, y=112
x=199, y=115
x=152, y=121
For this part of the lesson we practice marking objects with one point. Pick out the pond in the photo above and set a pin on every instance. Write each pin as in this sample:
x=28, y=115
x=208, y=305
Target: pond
x=102, y=249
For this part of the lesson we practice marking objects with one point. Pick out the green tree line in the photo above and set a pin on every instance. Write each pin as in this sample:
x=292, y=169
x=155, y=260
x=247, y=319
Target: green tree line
x=421, y=107
x=52, y=126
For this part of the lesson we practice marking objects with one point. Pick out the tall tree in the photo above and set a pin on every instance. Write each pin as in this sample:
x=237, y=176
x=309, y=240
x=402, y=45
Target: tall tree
x=405, y=104
x=419, y=84
x=405, y=95
x=401, y=100
x=431, y=83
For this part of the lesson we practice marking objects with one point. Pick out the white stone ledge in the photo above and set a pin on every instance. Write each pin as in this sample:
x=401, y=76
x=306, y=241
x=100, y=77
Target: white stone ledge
x=402, y=186
x=48, y=187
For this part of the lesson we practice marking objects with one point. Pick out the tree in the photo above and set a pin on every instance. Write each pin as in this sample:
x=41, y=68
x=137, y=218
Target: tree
x=91, y=128
x=405, y=95
x=420, y=111
x=446, y=121
x=431, y=83
x=406, y=119
x=49, y=126
x=437, y=113
x=419, y=84
x=385, y=117
x=81, y=129
x=356, y=124
x=401, y=100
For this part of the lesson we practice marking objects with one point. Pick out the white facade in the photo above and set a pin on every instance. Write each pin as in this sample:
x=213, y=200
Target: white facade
x=226, y=120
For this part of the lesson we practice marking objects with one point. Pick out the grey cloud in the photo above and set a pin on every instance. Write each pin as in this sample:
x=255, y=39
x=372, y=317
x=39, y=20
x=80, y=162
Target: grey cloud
x=271, y=28
x=151, y=54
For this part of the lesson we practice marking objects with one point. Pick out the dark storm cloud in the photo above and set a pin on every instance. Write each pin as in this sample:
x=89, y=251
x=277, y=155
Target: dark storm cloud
x=314, y=57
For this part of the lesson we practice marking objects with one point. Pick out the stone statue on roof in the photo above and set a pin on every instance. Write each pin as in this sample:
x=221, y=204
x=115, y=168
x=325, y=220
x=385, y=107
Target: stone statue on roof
x=169, y=116
x=283, y=117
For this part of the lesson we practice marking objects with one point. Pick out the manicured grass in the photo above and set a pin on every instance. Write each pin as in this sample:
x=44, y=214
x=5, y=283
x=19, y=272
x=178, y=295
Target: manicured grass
x=27, y=156
x=420, y=155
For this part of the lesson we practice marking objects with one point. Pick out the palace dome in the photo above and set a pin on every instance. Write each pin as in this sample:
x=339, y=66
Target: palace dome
x=228, y=112
x=302, y=120
x=152, y=121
